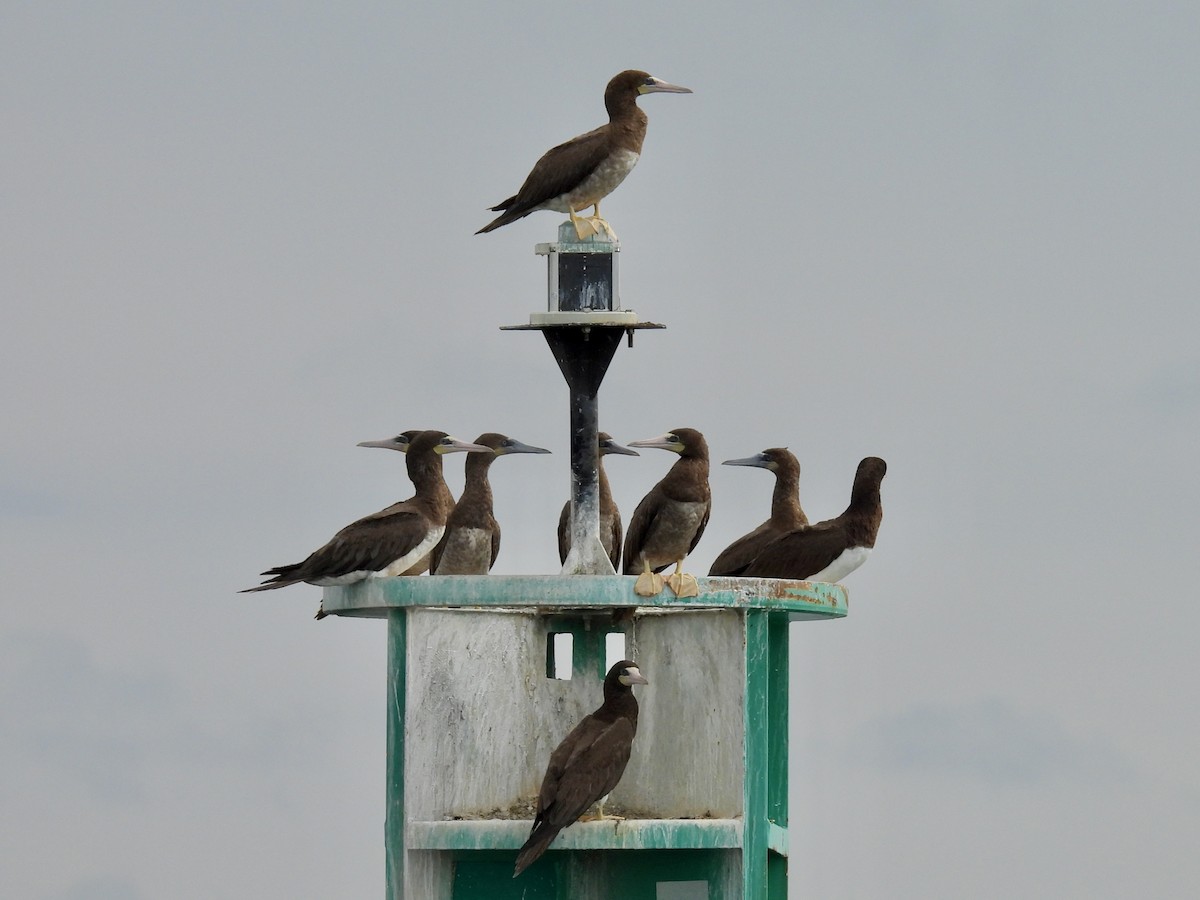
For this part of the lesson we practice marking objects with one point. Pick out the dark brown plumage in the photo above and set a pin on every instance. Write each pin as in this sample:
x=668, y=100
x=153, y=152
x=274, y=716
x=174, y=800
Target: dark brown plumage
x=830, y=550
x=402, y=442
x=584, y=170
x=588, y=763
x=668, y=523
x=391, y=541
x=471, y=541
x=610, y=517
x=786, y=513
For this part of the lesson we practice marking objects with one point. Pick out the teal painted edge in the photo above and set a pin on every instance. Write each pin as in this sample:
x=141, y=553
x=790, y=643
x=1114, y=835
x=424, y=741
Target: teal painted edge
x=757, y=717
x=627, y=834
x=393, y=826
x=777, y=839
x=777, y=702
x=375, y=596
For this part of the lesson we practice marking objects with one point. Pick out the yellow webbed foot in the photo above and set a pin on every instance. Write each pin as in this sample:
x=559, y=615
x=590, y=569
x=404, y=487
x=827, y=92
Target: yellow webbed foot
x=584, y=228
x=648, y=584
x=683, y=585
x=598, y=224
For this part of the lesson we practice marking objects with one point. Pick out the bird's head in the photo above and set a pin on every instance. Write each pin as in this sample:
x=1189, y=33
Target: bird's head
x=626, y=673
x=608, y=446
x=684, y=441
x=774, y=458
x=400, y=442
x=502, y=445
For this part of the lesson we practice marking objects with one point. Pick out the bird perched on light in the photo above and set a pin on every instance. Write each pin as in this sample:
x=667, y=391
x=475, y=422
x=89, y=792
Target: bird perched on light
x=610, y=516
x=586, y=169
x=393, y=540
x=669, y=521
x=829, y=550
x=786, y=513
x=471, y=540
x=588, y=764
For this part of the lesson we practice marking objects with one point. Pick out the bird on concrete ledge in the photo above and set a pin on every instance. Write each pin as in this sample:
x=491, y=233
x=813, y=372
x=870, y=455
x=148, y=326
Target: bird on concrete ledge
x=668, y=523
x=610, y=517
x=588, y=764
x=786, y=513
x=471, y=542
x=829, y=550
x=393, y=540
x=587, y=168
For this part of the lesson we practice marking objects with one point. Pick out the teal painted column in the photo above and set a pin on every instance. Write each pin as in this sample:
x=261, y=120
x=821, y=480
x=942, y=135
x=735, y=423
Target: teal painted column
x=777, y=746
x=393, y=825
x=757, y=716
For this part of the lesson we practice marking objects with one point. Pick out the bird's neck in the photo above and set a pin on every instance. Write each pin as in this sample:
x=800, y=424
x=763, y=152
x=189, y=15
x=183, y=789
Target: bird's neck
x=687, y=481
x=864, y=514
x=606, y=497
x=476, y=486
x=426, y=477
x=620, y=703
x=785, y=502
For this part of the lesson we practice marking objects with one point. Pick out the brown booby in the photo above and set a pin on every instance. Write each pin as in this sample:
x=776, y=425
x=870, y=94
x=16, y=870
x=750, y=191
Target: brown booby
x=786, y=513
x=587, y=168
x=669, y=521
x=472, y=537
x=610, y=516
x=588, y=763
x=401, y=442
x=393, y=540
x=829, y=550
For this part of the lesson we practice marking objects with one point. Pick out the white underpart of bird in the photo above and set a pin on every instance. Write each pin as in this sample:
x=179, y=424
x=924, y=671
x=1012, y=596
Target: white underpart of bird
x=848, y=560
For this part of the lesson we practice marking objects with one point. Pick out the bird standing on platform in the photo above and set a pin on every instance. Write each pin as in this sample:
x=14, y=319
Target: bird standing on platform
x=829, y=550
x=587, y=168
x=786, y=513
x=471, y=540
x=669, y=521
x=588, y=764
x=610, y=516
x=402, y=442
x=393, y=540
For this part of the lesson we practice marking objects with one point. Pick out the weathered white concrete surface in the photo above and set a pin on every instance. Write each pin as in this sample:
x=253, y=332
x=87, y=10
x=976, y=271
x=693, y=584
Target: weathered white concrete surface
x=688, y=758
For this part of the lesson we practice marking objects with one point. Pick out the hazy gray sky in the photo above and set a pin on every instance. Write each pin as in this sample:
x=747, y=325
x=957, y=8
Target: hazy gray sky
x=236, y=239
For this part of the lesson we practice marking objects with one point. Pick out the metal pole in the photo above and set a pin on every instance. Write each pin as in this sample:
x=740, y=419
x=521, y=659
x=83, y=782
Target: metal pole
x=583, y=354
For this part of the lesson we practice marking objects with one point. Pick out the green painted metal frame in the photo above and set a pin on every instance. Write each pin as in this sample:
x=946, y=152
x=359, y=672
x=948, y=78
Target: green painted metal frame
x=769, y=606
x=393, y=825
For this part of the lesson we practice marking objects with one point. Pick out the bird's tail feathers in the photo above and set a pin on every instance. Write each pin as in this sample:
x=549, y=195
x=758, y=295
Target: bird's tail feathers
x=543, y=835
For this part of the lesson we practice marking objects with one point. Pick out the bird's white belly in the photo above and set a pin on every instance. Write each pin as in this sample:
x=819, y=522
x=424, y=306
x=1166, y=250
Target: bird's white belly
x=849, y=560
x=602, y=182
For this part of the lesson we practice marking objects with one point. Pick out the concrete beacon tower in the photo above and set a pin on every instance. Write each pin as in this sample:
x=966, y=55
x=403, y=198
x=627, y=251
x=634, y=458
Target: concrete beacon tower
x=486, y=674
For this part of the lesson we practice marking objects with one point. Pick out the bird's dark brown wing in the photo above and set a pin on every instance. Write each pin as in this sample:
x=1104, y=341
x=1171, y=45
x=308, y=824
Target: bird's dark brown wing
x=560, y=169
x=639, y=527
x=564, y=532
x=800, y=553
x=589, y=764
x=734, y=559
x=700, y=528
x=615, y=556
x=368, y=544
